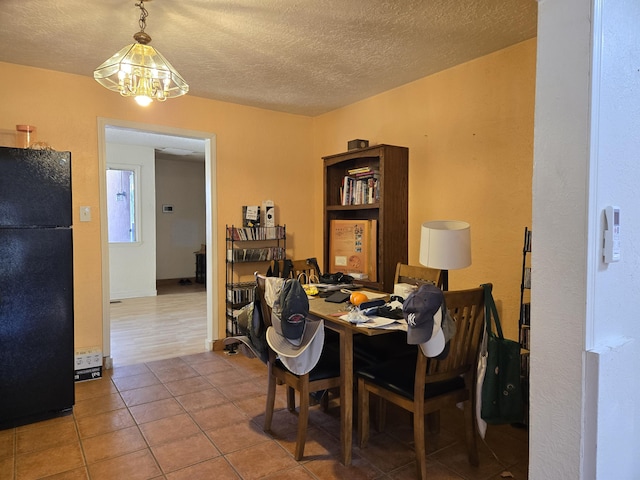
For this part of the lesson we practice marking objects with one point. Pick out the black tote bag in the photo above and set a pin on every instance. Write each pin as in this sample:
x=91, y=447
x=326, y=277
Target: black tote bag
x=502, y=396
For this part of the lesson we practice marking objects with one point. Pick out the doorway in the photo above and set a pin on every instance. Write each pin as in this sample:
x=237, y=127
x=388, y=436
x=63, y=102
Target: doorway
x=144, y=132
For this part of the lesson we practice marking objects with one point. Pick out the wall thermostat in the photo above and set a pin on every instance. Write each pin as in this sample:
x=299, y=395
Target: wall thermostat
x=611, y=246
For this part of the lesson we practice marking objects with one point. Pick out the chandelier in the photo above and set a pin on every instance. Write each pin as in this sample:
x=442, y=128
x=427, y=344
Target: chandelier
x=140, y=71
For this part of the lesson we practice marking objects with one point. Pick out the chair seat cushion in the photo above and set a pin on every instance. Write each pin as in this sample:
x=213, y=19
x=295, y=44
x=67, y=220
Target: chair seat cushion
x=381, y=348
x=398, y=376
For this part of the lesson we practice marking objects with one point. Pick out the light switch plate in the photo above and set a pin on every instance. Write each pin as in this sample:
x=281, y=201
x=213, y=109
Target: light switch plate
x=85, y=214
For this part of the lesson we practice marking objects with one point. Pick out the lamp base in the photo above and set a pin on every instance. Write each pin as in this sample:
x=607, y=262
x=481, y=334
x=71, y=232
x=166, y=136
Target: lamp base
x=444, y=280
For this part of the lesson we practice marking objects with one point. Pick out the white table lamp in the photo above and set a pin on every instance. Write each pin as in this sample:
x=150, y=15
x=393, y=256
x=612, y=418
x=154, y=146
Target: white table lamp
x=446, y=245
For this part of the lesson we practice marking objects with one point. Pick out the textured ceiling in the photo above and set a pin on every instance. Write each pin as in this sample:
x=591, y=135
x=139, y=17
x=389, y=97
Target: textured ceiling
x=305, y=57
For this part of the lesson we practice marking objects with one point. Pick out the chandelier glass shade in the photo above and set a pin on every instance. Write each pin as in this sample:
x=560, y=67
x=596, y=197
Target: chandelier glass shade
x=140, y=71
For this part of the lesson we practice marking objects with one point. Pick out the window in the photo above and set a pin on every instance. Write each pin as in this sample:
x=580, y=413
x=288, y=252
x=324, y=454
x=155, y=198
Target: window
x=121, y=205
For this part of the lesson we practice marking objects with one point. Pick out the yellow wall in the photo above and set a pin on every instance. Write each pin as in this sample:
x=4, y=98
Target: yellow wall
x=469, y=131
x=260, y=155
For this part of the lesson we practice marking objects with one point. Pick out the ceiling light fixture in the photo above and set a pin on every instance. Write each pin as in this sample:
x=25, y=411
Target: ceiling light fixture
x=140, y=71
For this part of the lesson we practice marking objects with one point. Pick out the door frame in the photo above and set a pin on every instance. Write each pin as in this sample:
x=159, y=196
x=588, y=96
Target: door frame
x=211, y=208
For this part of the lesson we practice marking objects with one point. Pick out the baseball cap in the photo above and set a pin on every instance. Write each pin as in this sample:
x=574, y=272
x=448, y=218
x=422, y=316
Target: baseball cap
x=296, y=339
x=428, y=322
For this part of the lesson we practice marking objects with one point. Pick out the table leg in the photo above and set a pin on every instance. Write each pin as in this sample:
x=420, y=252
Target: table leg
x=346, y=394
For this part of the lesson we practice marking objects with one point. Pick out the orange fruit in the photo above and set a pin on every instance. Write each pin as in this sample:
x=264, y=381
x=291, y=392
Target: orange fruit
x=357, y=298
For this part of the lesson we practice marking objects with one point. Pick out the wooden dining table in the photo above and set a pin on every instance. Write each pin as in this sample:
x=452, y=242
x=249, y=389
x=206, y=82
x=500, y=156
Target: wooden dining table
x=330, y=313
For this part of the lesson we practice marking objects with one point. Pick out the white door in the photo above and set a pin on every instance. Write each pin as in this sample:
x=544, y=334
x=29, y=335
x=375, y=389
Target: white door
x=131, y=220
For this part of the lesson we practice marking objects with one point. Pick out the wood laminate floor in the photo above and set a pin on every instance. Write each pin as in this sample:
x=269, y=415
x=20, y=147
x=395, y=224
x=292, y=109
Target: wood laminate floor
x=171, y=324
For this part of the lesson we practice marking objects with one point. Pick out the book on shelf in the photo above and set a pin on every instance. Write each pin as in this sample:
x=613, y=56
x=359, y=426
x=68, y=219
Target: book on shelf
x=240, y=234
x=359, y=191
x=255, y=254
x=527, y=277
x=525, y=314
x=353, y=248
x=251, y=216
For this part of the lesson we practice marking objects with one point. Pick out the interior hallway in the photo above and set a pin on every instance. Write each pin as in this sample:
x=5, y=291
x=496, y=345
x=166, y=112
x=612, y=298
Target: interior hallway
x=173, y=323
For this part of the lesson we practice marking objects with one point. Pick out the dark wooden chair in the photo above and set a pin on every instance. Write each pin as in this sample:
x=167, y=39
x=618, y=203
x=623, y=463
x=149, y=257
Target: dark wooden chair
x=417, y=275
x=325, y=375
x=302, y=270
x=384, y=347
x=425, y=385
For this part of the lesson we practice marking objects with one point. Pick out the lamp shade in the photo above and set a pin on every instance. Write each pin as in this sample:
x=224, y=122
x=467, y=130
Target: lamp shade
x=445, y=244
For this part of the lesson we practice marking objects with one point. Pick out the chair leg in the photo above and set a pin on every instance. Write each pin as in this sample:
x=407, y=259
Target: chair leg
x=419, y=445
x=363, y=414
x=271, y=399
x=303, y=419
x=291, y=399
x=471, y=432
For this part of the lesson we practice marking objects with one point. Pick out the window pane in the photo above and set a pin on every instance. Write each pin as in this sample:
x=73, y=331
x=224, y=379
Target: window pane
x=121, y=211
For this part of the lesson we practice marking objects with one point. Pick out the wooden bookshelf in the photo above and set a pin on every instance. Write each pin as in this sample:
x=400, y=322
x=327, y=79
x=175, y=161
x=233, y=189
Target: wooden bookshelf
x=387, y=205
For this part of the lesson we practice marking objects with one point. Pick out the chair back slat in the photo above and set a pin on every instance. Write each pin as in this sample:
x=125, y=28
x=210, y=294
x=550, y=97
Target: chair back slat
x=417, y=275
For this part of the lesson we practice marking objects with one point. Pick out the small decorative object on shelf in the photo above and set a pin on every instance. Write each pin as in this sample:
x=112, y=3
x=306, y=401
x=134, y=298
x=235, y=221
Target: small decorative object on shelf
x=248, y=245
x=357, y=143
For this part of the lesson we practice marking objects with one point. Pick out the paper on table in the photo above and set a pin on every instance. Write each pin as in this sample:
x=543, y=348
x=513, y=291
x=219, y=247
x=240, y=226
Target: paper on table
x=376, y=322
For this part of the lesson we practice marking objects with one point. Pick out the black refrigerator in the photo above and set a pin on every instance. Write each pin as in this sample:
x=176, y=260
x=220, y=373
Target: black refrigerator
x=36, y=286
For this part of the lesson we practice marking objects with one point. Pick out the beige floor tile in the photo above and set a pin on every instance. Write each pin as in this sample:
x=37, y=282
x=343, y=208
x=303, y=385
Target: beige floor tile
x=129, y=370
x=455, y=458
x=113, y=444
x=216, y=468
x=261, y=460
x=169, y=429
x=332, y=469
x=138, y=465
x=435, y=471
x=48, y=462
x=177, y=372
x=7, y=468
x=219, y=416
x=94, y=388
x=79, y=473
x=135, y=381
x=151, y=411
x=187, y=385
x=199, y=431
x=254, y=406
x=318, y=444
x=199, y=357
x=165, y=364
x=151, y=393
x=296, y=473
x=230, y=376
x=184, y=452
x=104, y=422
x=7, y=443
x=202, y=399
x=237, y=436
x=34, y=439
x=93, y=406
x=241, y=390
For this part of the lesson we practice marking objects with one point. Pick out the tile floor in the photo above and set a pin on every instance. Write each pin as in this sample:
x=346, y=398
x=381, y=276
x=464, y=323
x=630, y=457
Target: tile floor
x=200, y=417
